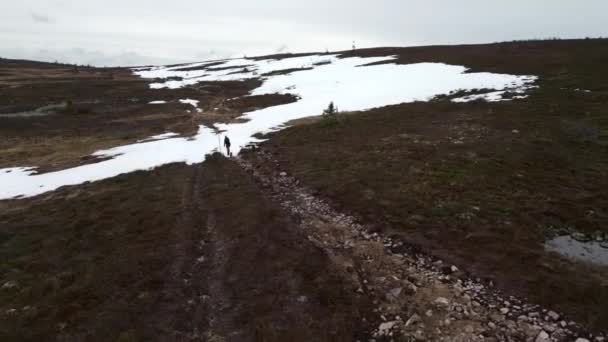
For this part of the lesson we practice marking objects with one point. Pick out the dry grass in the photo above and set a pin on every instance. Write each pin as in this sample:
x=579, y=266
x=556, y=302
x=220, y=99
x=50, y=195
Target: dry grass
x=89, y=263
x=479, y=183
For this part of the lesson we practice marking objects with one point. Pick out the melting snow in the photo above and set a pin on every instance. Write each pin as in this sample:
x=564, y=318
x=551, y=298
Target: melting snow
x=348, y=82
x=193, y=103
x=494, y=96
x=157, y=102
x=160, y=137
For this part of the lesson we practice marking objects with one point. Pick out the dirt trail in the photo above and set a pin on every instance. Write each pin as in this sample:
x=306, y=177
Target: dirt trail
x=176, y=315
x=415, y=297
x=261, y=279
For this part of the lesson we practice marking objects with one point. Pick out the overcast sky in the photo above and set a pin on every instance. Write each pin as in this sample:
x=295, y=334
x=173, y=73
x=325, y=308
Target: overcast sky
x=135, y=32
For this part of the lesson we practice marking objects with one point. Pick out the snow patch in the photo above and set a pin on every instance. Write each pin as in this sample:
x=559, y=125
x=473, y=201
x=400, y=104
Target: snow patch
x=160, y=137
x=349, y=82
x=193, y=103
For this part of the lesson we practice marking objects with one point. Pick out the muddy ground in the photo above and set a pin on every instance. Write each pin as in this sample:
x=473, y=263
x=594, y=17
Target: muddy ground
x=332, y=231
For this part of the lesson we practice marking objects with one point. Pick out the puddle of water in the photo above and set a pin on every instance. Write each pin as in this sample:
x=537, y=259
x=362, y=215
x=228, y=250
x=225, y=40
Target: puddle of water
x=590, y=252
x=346, y=82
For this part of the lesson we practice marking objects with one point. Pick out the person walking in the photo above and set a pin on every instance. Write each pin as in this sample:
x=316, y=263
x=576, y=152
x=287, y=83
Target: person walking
x=227, y=145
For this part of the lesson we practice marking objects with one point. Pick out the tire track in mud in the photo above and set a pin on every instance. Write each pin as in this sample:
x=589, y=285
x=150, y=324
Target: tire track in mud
x=262, y=279
x=182, y=307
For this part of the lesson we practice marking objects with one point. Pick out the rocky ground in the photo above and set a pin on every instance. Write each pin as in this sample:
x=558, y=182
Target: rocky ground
x=415, y=297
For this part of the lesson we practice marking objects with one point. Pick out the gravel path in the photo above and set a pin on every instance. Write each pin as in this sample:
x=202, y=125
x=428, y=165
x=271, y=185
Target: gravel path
x=416, y=297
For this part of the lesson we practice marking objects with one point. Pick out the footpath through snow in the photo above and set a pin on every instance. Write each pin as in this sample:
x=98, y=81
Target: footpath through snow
x=352, y=83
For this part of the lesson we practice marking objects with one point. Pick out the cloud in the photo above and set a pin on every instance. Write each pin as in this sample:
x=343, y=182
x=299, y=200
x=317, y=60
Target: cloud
x=40, y=18
x=157, y=30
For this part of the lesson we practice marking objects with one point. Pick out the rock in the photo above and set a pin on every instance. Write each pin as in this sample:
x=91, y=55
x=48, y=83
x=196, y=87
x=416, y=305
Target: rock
x=580, y=339
x=491, y=325
x=385, y=328
x=542, y=337
x=411, y=289
x=553, y=315
x=497, y=317
x=580, y=237
x=413, y=320
x=531, y=330
x=393, y=294
x=504, y=311
x=283, y=174
x=510, y=325
x=560, y=335
x=442, y=301
x=9, y=285
x=549, y=327
x=415, y=279
x=419, y=335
